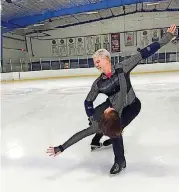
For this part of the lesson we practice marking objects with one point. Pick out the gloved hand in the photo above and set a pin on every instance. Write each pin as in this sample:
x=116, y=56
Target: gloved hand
x=54, y=151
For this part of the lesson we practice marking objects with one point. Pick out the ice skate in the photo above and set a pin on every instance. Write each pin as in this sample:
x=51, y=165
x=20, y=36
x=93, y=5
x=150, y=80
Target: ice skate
x=96, y=146
x=117, y=168
x=107, y=142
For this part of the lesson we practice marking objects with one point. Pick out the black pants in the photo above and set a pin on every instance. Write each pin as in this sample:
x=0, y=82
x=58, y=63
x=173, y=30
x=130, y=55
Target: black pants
x=129, y=113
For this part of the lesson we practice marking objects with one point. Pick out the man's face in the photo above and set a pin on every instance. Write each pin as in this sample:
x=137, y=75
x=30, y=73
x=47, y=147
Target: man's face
x=102, y=64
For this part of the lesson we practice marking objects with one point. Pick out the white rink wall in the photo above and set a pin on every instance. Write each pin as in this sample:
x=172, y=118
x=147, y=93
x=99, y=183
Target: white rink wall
x=82, y=72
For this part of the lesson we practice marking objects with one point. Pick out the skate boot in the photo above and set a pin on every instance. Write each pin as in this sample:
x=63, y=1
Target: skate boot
x=107, y=142
x=117, y=168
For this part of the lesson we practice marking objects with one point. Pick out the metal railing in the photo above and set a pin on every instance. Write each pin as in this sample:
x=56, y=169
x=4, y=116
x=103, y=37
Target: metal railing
x=37, y=64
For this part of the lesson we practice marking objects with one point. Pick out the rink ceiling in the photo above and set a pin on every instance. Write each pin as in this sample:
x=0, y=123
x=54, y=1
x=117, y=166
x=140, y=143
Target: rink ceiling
x=20, y=16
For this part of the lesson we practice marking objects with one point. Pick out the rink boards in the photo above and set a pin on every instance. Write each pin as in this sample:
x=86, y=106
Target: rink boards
x=84, y=72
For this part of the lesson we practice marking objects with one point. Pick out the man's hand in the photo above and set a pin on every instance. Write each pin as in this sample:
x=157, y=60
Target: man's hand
x=51, y=151
x=172, y=29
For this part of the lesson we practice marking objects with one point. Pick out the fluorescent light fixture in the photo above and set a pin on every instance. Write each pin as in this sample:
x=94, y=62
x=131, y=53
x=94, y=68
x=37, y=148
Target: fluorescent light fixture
x=38, y=24
x=91, y=12
x=153, y=3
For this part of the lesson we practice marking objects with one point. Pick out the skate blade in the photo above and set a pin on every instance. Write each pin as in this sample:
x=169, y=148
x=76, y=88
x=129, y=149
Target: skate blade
x=101, y=148
x=95, y=148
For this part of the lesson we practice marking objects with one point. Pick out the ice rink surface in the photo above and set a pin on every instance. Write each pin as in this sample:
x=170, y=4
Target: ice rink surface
x=39, y=114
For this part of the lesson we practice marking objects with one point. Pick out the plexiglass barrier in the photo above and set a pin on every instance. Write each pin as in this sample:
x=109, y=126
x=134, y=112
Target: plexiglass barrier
x=37, y=64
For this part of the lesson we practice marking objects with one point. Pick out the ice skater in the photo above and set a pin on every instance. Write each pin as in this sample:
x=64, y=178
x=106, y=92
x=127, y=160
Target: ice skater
x=114, y=82
x=122, y=102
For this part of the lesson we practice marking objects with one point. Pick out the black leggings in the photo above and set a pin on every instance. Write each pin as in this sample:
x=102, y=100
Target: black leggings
x=128, y=114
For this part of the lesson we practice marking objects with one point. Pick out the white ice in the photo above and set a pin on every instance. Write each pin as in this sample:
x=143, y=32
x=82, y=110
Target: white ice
x=39, y=114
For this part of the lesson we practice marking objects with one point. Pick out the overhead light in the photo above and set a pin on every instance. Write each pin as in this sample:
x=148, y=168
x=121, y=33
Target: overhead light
x=91, y=12
x=88, y=13
x=13, y=1
x=38, y=24
x=153, y=4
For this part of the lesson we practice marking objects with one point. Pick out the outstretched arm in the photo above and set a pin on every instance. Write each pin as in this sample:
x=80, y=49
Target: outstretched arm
x=84, y=133
x=72, y=140
x=132, y=62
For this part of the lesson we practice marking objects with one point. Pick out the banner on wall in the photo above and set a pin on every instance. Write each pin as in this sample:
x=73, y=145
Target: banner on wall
x=105, y=42
x=54, y=47
x=80, y=46
x=115, y=42
x=162, y=32
x=97, y=43
x=62, y=47
x=155, y=35
x=144, y=39
x=129, y=39
x=71, y=46
x=90, y=45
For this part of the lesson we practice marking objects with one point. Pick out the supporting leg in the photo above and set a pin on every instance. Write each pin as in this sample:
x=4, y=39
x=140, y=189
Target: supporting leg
x=119, y=160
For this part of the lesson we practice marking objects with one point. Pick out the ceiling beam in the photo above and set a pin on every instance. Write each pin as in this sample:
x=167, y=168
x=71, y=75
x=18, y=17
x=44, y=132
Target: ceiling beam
x=105, y=4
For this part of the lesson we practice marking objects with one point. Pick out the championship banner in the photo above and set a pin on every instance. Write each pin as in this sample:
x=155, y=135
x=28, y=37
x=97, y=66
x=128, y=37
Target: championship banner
x=97, y=43
x=115, y=42
x=62, y=47
x=129, y=39
x=155, y=35
x=105, y=42
x=162, y=32
x=80, y=46
x=90, y=45
x=144, y=39
x=71, y=46
x=54, y=48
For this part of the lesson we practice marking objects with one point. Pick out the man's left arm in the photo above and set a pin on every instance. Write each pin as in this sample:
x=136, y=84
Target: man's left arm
x=146, y=52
